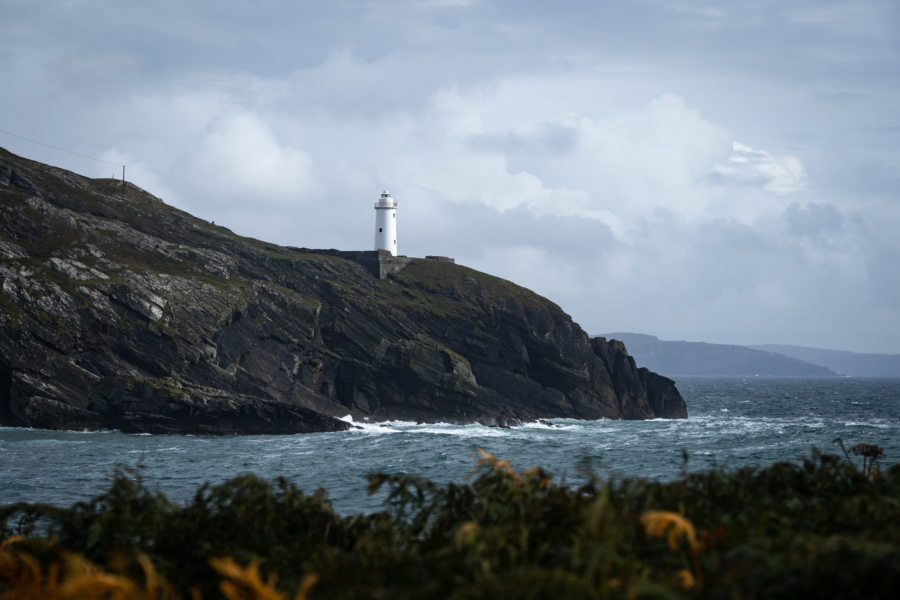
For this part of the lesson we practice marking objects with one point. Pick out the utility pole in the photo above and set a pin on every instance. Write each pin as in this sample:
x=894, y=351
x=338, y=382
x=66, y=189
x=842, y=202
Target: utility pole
x=123, y=179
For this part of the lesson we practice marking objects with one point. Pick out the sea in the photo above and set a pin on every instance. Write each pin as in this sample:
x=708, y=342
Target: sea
x=732, y=423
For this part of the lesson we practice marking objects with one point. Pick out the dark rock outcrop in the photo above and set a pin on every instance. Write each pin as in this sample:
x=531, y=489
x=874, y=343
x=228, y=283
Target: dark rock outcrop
x=118, y=311
x=654, y=396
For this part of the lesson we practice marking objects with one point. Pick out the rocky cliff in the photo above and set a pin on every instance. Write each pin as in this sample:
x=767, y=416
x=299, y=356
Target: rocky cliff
x=118, y=311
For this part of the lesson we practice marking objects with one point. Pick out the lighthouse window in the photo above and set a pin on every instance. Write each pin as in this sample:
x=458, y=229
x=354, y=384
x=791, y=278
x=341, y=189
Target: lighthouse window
x=394, y=215
x=379, y=230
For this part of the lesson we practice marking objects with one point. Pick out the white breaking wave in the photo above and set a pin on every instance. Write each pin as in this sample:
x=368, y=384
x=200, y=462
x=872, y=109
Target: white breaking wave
x=454, y=429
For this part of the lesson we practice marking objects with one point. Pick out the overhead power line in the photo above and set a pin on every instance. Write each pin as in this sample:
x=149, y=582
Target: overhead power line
x=33, y=141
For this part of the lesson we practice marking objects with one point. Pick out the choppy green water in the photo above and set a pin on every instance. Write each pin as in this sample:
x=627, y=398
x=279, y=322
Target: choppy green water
x=732, y=423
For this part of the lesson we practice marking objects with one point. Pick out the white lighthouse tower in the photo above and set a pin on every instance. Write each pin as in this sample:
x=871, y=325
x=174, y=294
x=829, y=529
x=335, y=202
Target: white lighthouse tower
x=386, y=223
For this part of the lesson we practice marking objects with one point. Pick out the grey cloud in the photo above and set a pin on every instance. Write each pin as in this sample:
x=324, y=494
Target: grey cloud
x=883, y=272
x=478, y=230
x=552, y=138
x=813, y=219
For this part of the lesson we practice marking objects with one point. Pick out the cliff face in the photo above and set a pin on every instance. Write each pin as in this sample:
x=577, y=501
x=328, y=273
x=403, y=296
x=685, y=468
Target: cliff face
x=118, y=311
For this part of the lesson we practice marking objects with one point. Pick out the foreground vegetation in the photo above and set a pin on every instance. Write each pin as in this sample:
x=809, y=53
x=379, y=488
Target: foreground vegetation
x=825, y=527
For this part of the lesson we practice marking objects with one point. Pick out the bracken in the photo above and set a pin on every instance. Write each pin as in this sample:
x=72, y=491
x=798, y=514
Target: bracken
x=819, y=527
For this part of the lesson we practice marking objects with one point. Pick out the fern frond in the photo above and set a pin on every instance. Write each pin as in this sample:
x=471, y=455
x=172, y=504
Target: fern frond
x=244, y=583
x=309, y=580
x=659, y=523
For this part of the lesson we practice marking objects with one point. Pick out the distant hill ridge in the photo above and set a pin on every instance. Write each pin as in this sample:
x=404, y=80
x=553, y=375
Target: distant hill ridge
x=855, y=364
x=701, y=359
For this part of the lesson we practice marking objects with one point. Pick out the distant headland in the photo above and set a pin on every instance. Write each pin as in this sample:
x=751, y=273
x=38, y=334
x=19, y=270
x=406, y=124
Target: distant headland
x=701, y=359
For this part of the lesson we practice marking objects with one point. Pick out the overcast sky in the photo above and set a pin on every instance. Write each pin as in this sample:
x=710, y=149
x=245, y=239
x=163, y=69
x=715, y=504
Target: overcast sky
x=698, y=170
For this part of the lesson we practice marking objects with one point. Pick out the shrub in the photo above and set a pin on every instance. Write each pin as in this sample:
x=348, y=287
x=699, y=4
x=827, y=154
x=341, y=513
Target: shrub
x=820, y=528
